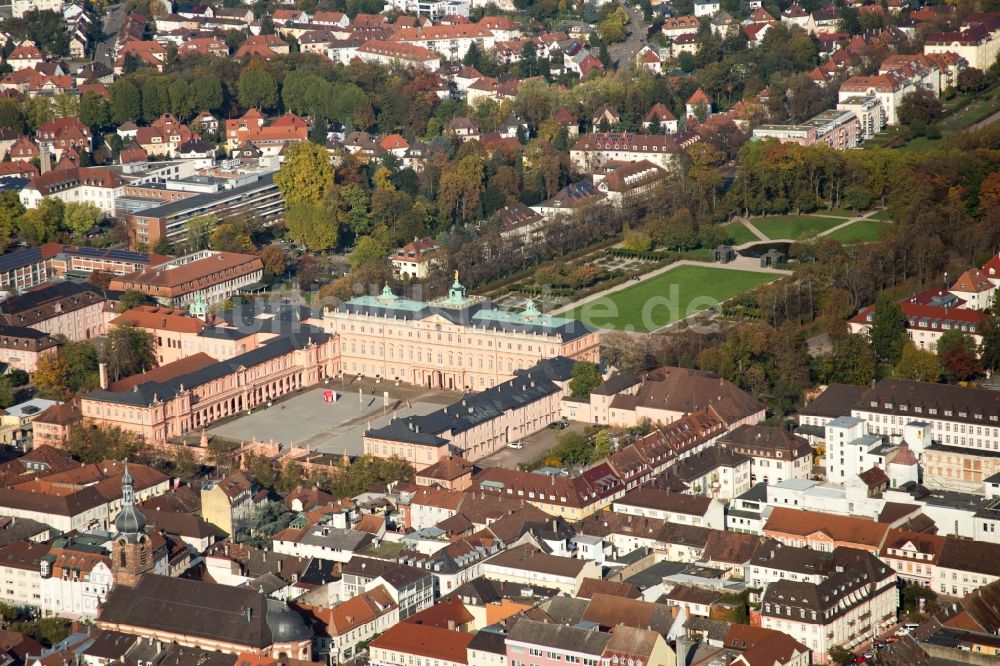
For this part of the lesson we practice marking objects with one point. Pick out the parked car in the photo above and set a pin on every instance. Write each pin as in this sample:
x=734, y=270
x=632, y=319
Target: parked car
x=515, y=445
x=558, y=425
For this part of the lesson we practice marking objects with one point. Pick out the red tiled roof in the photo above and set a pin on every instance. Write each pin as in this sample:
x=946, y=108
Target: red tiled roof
x=423, y=641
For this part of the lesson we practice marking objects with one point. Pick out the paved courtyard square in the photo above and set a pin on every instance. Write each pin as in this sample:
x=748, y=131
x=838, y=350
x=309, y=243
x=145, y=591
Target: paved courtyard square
x=305, y=419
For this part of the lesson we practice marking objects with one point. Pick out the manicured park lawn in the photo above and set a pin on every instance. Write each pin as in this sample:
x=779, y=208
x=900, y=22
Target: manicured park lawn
x=738, y=232
x=883, y=215
x=670, y=296
x=793, y=227
x=835, y=212
x=862, y=231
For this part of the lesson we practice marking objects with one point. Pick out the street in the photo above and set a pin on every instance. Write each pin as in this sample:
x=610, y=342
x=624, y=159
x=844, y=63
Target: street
x=534, y=446
x=624, y=52
x=113, y=22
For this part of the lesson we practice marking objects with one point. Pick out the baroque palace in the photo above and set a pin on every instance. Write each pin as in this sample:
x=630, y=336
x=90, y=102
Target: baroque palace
x=214, y=367
x=457, y=342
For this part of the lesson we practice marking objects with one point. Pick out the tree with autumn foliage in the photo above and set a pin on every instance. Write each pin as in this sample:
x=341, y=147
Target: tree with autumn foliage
x=958, y=355
x=306, y=174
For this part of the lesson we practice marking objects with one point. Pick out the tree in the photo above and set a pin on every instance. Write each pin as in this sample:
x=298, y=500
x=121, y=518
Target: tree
x=586, y=377
x=636, y=241
x=12, y=115
x=461, y=189
x=888, y=331
x=132, y=298
x=6, y=392
x=206, y=93
x=612, y=28
x=155, y=97
x=10, y=212
x=841, y=656
x=919, y=108
x=179, y=93
x=989, y=329
x=42, y=222
x=126, y=101
x=274, y=260
x=199, y=230
x=917, y=364
x=95, y=111
x=604, y=446
x=852, y=361
x=256, y=89
x=128, y=350
x=79, y=218
x=233, y=235
x=971, y=79
x=317, y=134
x=184, y=464
x=308, y=270
x=69, y=371
x=311, y=225
x=958, y=355
x=260, y=469
x=93, y=444
x=47, y=630
x=368, y=251
x=912, y=594
x=268, y=519
x=572, y=448
x=306, y=174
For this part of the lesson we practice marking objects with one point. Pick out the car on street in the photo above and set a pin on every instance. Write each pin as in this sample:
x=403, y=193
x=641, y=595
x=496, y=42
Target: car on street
x=515, y=445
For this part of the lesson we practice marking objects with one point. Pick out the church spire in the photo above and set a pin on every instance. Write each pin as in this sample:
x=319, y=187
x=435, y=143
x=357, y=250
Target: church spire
x=130, y=521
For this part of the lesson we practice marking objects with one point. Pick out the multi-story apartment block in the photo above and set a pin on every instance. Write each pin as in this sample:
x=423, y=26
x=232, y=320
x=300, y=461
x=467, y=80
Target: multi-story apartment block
x=775, y=454
x=596, y=148
x=913, y=555
x=74, y=310
x=20, y=574
x=228, y=504
x=206, y=276
x=259, y=198
x=673, y=507
x=846, y=609
x=837, y=128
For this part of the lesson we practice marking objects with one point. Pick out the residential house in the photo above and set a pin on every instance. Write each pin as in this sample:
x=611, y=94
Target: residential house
x=526, y=565
x=679, y=508
x=228, y=504
x=775, y=454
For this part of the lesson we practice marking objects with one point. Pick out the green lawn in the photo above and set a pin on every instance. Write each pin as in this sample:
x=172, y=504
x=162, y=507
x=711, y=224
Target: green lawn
x=836, y=212
x=793, y=227
x=672, y=295
x=738, y=232
x=862, y=231
x=882, y=215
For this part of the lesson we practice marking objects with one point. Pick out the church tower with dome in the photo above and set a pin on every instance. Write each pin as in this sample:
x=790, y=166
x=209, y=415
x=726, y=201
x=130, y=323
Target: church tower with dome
x=132, y=551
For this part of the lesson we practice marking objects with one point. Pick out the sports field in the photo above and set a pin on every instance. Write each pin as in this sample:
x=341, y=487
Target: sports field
x=793, y=227
x=862, y=231
x=670, y=296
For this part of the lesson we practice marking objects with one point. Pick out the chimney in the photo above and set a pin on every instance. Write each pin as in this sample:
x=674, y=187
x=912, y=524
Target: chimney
x=451, y=625
x=102, y=371
x=44, y=157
